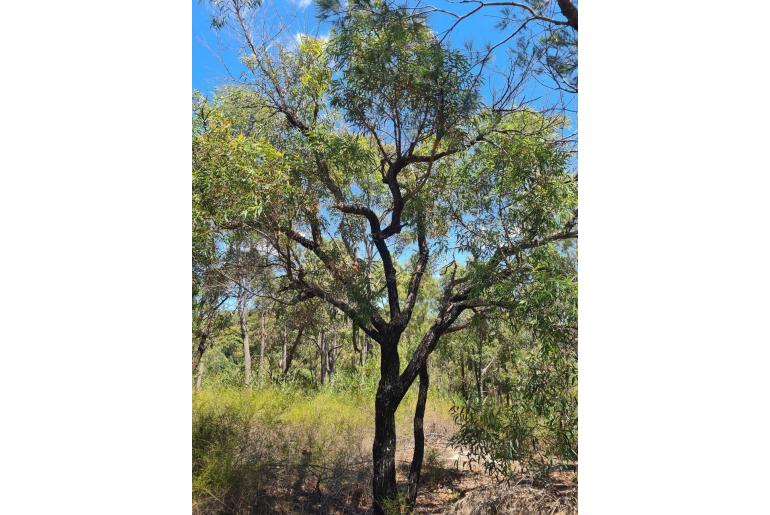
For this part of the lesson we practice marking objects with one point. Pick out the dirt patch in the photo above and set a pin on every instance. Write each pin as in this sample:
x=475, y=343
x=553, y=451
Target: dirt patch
x=447, y=486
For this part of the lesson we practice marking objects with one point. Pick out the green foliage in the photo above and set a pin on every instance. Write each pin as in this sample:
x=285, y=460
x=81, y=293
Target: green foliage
x=235, y=176
x=396, y=78
x=516, y=186
x=531, y=431
x=531, y=424
x=222, y=370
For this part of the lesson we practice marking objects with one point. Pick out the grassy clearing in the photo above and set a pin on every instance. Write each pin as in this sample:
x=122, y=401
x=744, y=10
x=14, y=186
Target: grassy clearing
x=287, y=451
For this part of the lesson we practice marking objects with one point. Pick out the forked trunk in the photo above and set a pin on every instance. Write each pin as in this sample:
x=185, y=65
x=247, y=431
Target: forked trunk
x=419, y=438
x=384, y=446
x=290, y=356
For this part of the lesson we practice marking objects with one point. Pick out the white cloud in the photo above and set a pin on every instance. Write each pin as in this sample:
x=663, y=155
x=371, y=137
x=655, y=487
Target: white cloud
x=302, y=4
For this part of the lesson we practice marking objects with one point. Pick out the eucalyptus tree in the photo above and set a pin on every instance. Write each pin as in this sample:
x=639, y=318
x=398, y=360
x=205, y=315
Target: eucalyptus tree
x=534, y=37
x=210, y=290
x=379, y=135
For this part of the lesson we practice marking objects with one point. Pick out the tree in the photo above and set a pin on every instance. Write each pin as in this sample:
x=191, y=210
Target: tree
x=535, y=423
x=539, y=36
x=381, y=135
x=209, y=289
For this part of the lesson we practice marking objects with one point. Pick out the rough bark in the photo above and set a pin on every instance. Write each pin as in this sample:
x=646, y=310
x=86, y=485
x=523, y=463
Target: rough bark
x=384, y=446
x=419, y=437
x=570, y=12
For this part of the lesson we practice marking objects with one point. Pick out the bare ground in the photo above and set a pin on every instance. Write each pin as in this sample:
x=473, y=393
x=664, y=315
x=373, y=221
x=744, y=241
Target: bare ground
x=448, y=485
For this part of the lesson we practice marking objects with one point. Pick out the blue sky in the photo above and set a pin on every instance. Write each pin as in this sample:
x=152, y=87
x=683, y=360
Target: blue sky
x=215, y=57
x=212, y=57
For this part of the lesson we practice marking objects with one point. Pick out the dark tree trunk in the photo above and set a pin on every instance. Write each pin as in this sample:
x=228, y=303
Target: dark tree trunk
x=419, y=438
x=356, y=350
x=384, y=446
x=570, y=12
x=204, y=335
x=198, y=355
x=290, y=355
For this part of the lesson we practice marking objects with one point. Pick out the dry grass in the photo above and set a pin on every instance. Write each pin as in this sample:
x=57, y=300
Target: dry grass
x=273, y=452
x=554, y=499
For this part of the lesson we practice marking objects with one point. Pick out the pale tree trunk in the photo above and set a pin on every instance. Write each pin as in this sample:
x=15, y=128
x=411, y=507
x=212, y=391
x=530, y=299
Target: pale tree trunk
x=285, y=350
x=332, y=361
x=478, y=365
x=243, y=314
x=479, y=382
x=262, y=343
x=324, y=355
x=199, y=378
